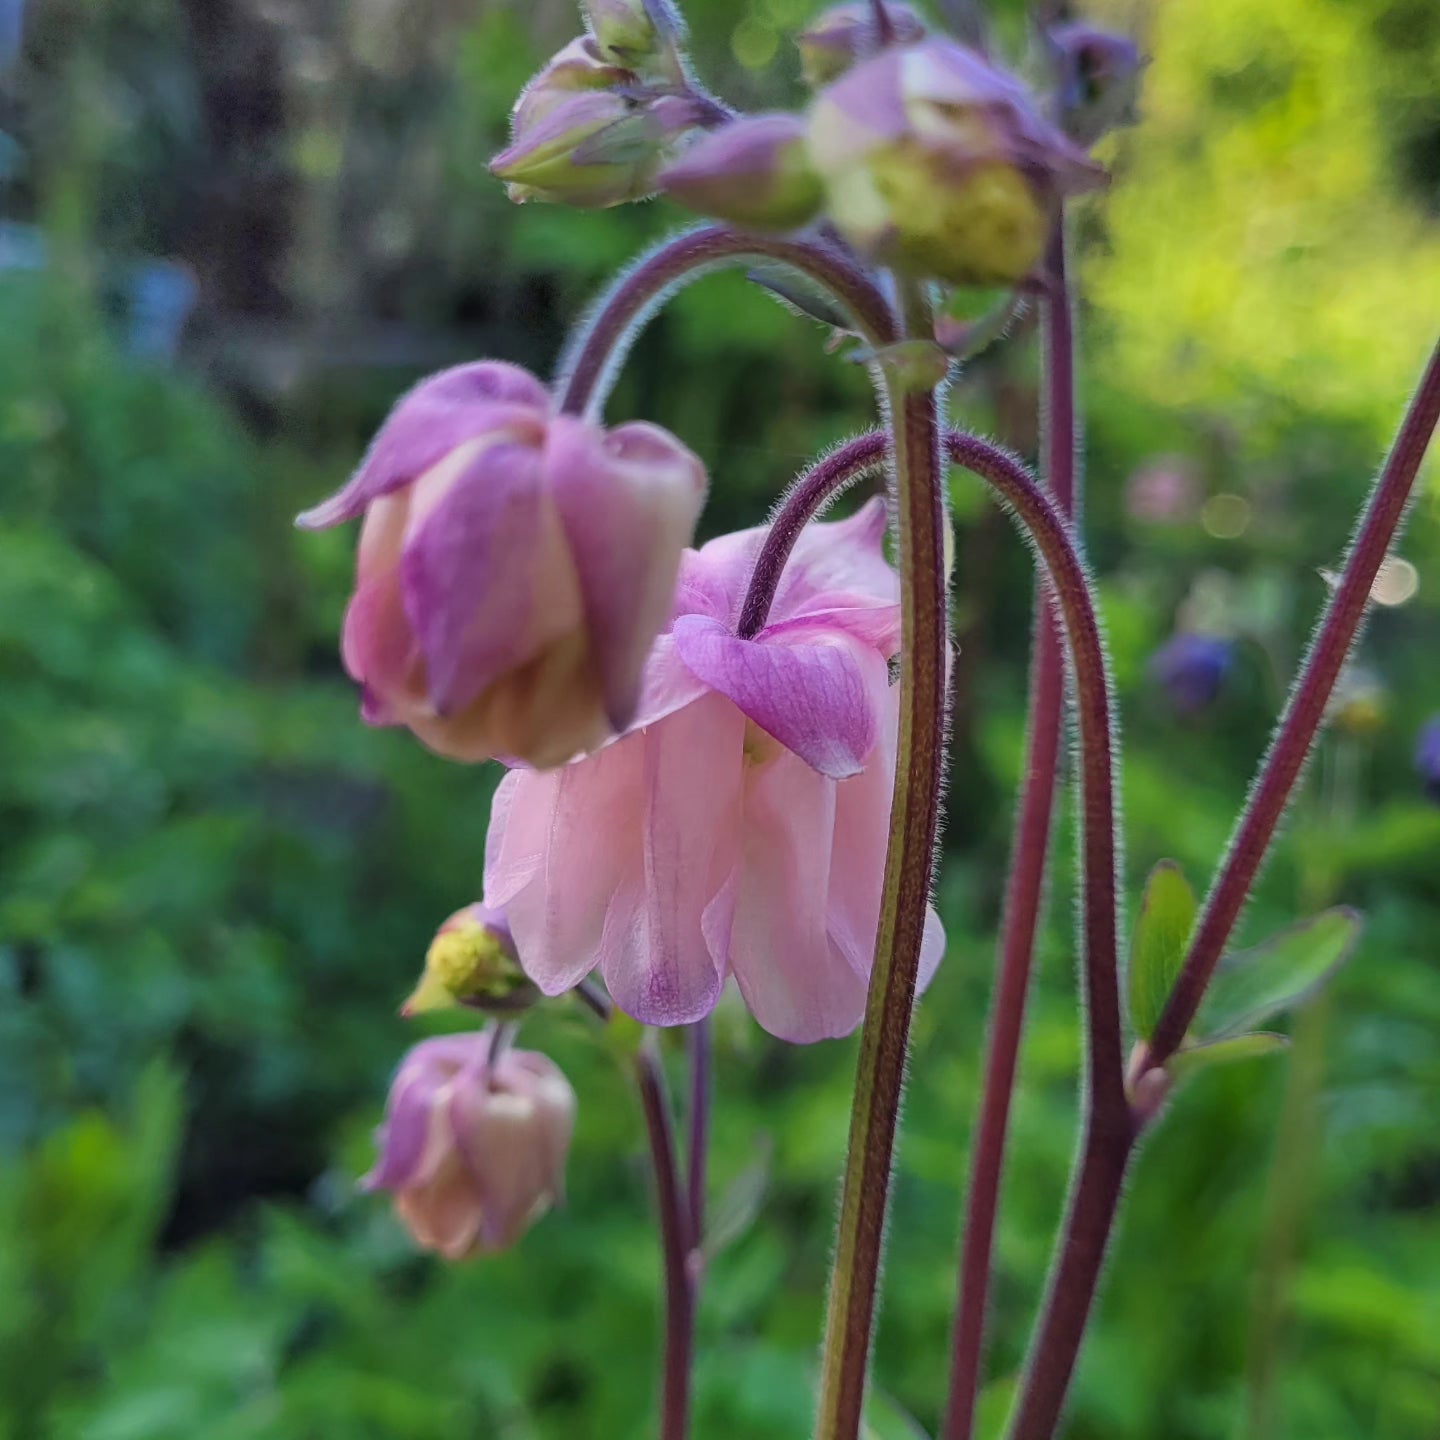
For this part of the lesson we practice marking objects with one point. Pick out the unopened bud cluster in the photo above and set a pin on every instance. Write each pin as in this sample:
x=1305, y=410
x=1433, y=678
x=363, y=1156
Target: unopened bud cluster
x=924, y=155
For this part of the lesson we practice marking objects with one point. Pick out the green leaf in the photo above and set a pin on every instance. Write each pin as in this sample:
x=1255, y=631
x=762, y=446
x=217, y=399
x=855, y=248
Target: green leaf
x=1275, y=977
x=1194, y=1058
x=1167, y=916
x=738, y=1208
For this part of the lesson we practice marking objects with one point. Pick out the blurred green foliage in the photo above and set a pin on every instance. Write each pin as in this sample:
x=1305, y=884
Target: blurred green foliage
x=215, y=885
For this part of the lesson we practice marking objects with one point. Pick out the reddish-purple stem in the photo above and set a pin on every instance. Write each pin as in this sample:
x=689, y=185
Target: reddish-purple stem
x=1109, y=1141
x=806, y=498
x=675, y=1246
x=1029, y=864
x=1303, y=715
x=602, y=341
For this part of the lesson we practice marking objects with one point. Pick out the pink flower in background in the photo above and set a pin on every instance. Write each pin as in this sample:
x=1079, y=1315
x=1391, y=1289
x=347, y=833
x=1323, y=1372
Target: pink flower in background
x=514, y=566
x=473, y=1151
x=740, y=827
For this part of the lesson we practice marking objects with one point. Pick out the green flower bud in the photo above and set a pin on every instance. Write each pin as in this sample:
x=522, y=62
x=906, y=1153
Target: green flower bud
x=642, y=35
x=472, y=962
x=592, y=149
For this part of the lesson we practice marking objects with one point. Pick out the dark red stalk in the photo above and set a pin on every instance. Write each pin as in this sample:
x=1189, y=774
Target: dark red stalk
x=675, y=1245
x=1303, y=715
x=601, y=343
x=806, y=498
x=1029, y=865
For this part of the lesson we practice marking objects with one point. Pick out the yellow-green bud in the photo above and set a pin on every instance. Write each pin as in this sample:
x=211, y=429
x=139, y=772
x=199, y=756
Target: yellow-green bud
x=471, y=962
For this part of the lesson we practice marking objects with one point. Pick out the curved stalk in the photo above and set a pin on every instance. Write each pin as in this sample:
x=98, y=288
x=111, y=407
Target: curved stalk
x=1110, y=1130
x=1270, y=795
x=914, y=824
x=1029, y=866
x=600, y=345
x=806, y=498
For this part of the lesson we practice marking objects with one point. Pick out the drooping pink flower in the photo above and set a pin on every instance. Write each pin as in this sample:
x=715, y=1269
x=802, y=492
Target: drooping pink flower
x=473, y=1149
x=513, y=568
x=740, y=827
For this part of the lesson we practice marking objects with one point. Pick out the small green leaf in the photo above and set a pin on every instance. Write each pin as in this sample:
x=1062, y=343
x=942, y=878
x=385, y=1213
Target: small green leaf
x=1209, y=1053
x=1167, y=916
x=739, y=1206
x=1275, y=977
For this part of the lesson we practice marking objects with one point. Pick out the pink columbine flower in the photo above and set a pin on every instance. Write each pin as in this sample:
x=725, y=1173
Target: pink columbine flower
x=740, y=827
x=473, y=1150
x=514, y=566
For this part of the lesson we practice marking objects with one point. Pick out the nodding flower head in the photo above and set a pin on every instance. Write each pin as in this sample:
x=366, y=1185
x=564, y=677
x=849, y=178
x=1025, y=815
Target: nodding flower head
x=844, y=34
x=739, y=827
x=939, y=164
x=472, y=962
x=1191, y=669
x=514, y=566
x=754, y=172
x=473, y=1147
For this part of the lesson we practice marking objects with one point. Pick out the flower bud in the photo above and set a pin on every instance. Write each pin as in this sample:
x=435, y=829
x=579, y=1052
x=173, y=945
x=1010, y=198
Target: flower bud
x=577, y=68
x=847, y=33
x=1099, y=76
x=642, y=35
x=1191, y=669
x=514, y=567
x=1427, y=758
x=754, y=172
x=473, y=1149
x=472, y=961
x=591, y=149
x=939, y=164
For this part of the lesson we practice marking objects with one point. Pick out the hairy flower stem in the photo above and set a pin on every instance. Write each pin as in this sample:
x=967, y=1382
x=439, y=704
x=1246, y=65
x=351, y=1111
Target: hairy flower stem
x=698, y=1137
x=679, y=1230
x=676, y=1244
x=1029, y=865
x=1384, y=514
x=914, y=824
x=806, y=498
x=600, y=345
x=1110, y=1129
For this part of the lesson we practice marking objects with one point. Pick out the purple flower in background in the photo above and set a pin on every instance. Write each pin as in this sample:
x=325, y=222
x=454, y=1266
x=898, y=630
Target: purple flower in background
x=1191, y=669
x=473, y=1148
x=1427, y=758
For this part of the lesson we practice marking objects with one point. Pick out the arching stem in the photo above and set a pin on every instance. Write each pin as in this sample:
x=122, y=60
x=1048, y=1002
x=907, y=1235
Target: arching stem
x=599, y=347
x=1029, y=867
x=809, y=495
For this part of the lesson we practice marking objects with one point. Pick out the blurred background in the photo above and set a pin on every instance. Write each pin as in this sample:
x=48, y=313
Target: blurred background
x=233, y=231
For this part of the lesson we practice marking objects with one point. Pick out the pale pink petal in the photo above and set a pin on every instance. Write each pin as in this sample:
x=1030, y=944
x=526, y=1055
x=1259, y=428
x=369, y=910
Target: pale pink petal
x=439, y=414
x=844, y=555
x=814, y=690
x=796, y=982
x=628, y=501
x=577, y=833
x=874, y=622
x=657, y=962
x=471, y=571
x=667, y=685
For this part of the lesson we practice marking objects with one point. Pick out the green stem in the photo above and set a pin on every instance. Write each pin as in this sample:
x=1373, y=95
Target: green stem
x=914, y=824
